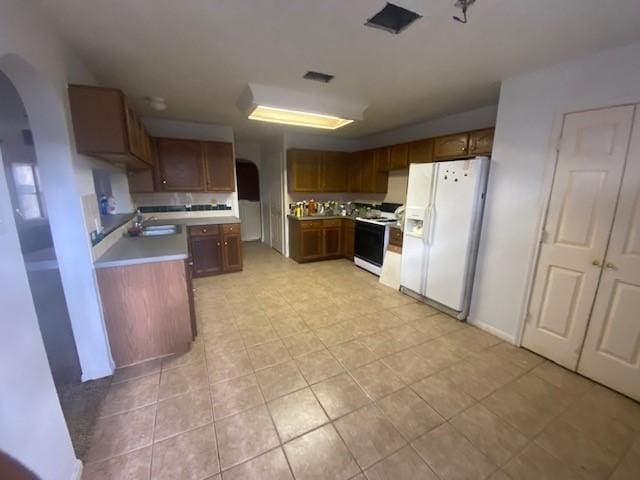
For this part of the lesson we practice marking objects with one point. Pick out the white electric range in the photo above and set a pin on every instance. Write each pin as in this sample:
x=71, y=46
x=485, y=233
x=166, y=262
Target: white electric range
x=372, y=238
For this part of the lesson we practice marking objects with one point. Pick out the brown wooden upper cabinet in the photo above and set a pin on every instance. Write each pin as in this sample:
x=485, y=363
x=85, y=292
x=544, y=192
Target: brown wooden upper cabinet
x=451, y=146
x=106, y=127
x=381, y=159
x=481, y=142
x=421, y=151
x=303, y=170
x=333, y=172
x=399, y=157
x=219, y=167
x=354, y=172
x=373, y=180
x=180, y=165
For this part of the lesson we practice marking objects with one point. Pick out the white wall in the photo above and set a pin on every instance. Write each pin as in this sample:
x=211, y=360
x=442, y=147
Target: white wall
x=251, y=213
x=271, y=176
x=530, y=115
x=32, y=427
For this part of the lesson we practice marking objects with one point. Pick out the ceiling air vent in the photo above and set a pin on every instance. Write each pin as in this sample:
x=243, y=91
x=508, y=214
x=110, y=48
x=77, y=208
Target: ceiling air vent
x=318, y=76
x=392, y=18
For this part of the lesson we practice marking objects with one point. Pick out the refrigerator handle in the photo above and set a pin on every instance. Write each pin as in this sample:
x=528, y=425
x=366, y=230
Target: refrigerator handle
x=426, y=225
x=432, y=221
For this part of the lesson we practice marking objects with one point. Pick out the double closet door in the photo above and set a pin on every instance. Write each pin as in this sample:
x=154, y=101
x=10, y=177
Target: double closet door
x=584, y=311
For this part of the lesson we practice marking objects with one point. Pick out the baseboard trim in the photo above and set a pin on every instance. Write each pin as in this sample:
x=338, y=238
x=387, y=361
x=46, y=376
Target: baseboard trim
x=77, y=470
x=493, y=331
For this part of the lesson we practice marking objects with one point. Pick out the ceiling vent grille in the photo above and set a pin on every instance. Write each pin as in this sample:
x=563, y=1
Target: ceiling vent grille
x=318, y=76
x=393, y=19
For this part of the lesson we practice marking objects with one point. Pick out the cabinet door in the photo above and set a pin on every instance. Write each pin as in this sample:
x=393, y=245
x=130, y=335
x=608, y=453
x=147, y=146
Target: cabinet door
x=311, y=247
x=334, y=172
x=188, y=269
x=141, y=181
x=181, y=166
x=421, y=151
x=206, y=255
x=451, y=146
x=332, y=241
x=219, y=167
x=399, y=157
x=232, y=252
x=481, y=142
x=354, y=172
x=303, y=170
x=381, y=159
x=348, y=239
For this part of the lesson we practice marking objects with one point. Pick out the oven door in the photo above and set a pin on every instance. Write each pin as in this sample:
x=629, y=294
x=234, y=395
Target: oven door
x=369, y=244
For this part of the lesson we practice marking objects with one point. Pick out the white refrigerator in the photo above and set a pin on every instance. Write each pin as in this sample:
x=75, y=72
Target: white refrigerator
x=442, y=226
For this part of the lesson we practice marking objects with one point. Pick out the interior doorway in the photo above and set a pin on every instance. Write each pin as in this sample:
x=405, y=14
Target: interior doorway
x=30, y=213
x=248, y=179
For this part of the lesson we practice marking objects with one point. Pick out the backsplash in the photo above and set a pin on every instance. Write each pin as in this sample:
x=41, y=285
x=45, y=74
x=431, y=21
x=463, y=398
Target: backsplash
x=181, y=208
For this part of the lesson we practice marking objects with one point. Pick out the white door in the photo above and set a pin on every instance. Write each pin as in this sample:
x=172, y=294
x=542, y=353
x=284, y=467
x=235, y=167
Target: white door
x=579, y=219
x=275, y=206
x=450, y=231
x=611, y=352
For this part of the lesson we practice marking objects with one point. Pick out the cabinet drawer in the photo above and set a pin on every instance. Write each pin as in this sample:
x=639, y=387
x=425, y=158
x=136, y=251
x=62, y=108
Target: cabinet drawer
x=307, y=224
x=204, y=230
x=231, y=228
x=332, y=223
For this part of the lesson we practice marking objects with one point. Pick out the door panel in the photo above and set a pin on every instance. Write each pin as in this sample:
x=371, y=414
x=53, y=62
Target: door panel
x=611, y=353
x=581, y=209
x=232, y=253
x=220, y=167
x=206, y=255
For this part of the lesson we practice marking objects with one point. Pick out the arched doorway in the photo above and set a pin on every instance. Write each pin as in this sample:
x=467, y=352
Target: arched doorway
x=248, y=179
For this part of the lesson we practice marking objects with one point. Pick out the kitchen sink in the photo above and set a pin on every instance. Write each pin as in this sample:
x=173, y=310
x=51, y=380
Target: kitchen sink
x=159, y=230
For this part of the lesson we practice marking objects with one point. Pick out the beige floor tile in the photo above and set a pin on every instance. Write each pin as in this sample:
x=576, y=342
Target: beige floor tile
x=233, y=396
x=179, y=380
x=189, y=456
x=353, y=354
x=194, y=355
x=499, y=475
x=318, y=366
x=629, y=466
x=533, y=463
x=296, y=413
x=280, y=380
x=303, y=343
x=136, y=371
x=451, y=456
x=369, y=435
x=521, y=357
x=444, y=396
x=382, y=343
x=271, y=465
x=578, y=451
x=268, y=354
x=405, y=464
x=182, y=413
x=335, y=334
x=244, y=436
x=544, y=394
x=616, y=406
x=230, y=365
x=339, y=395
x=437, y=355
x=224, y=343
x=377, y=380
x=409, y=413
x=498, y=440
x=320, y=455
x=569, y=382
x=256, y=336
x=122, y=433
x=408, y=365
x=134, y=465
x=131, y=394
x=518, y=411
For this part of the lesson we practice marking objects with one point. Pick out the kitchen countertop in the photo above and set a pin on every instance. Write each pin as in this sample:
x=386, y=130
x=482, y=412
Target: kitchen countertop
x=137, y=250
x=320, y=217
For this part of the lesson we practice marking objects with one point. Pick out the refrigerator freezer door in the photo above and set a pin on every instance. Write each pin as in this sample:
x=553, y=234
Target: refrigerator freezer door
x=457, y=203
x=419, y=185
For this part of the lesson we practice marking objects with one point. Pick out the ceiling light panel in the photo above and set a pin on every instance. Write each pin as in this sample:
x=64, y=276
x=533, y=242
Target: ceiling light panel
x=293, y=117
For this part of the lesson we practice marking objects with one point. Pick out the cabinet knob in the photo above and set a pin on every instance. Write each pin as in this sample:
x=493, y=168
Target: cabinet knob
x=225, y=243
x=204, y=230
x=218, y=243
x=190, y=263
x=611, y=266
x=596, y=262
x=193, y=290
x=164, y=181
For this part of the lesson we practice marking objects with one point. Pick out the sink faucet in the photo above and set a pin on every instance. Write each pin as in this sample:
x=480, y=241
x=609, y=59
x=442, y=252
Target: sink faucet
x=140, y=220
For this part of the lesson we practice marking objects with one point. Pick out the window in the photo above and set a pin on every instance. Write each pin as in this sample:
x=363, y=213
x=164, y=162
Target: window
x=25, y=180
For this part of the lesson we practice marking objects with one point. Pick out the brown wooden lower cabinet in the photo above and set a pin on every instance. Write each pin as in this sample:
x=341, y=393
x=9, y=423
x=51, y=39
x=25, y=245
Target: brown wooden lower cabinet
x=188, y=268
x=146, y=310
x=215, y=249
x=311, y=240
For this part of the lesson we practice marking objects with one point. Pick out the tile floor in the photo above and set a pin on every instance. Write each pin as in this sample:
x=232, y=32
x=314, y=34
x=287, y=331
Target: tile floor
x=318, y=372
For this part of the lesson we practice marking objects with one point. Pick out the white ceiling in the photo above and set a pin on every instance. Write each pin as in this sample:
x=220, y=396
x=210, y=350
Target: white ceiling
x=201, y=54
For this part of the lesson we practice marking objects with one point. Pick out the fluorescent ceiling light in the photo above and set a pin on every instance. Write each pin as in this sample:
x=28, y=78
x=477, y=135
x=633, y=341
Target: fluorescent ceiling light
x=295, y=117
